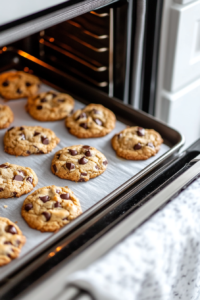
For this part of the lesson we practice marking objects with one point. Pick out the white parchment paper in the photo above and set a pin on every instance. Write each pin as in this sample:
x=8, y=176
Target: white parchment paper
x=118, y=170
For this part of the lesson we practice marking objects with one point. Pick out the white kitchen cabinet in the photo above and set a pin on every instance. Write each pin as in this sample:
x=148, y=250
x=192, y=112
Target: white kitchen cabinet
x=178, y=87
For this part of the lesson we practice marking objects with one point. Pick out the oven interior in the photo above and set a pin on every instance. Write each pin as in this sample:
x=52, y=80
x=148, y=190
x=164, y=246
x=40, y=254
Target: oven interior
x=99, y=47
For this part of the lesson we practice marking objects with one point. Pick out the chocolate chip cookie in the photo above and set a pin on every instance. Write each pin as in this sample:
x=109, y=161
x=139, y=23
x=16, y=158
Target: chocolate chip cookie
x=50, y=106
x=137, y=143
x=94, y=120
x=15, y=85
x=6, y=116
x=78, y=163
x=11, y=241
x=27, y=140
x=50, y=208
x=16, y=180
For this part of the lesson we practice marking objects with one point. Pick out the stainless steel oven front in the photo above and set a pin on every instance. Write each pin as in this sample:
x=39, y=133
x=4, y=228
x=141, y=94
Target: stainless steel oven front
x=99, y=51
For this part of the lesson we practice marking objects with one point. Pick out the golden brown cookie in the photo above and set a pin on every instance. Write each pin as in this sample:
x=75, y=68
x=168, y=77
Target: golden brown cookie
x=78, y=163
x=16, y=180
x=11, y=241
x=50, y=208
x=50, y=106
x=137, y=143
x=27, y=140
x=15, y=85
x=94, y=120
x=6, y=116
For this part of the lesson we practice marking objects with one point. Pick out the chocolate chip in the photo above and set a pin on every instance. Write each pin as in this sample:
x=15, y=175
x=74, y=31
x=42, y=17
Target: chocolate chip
x=45, y=140
x=70, y=166
x=40, y=152
x=73, y=152
x=39, y=107
x=57, y=204
x=150, y=145
x=36, y=133
x=86, y=147
x=43, y=100
x=21, y=172
x=61, y=100
x=84, y=125
x=140, y=131
x=28, y=152
x=30, y=179
x=53, y=94
x=22, y=136
x=97, y=167
x=58, y=156
x=120, y=135
x=83, y=161
x=47, y=215
x=88, y=153
x=18, y=242
x=10, y=128
x=71, y=112
x=58, y=191
x=1, y=190
x=14, y=194
x=21, y=128
x=28, y=84
x=95, y=111
x=4, y=166
x=98, y=122
x=65, y=196
x=18, y=178
x=7, y=243
x=137, y=146
x=65, y=219
x=81, y=116
x=105, y=162
x=5, y=83
x=84, y=174
x=81, y=180
x=28, y=206
x=19, y=91
x=68, y=128
x=55, y=169
x=11, y=229
x=44, y=198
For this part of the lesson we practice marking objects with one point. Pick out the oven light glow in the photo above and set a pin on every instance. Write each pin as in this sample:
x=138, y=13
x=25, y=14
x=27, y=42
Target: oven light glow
x=58, y=249
x=4, y=48
x=51, y=254
x=26, y=69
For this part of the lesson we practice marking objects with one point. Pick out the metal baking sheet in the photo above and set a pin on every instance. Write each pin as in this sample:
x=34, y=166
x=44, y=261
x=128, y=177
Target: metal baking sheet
x=120, y=174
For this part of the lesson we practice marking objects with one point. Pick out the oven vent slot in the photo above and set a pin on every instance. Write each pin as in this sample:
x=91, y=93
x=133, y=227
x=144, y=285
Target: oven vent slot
x=81, y=47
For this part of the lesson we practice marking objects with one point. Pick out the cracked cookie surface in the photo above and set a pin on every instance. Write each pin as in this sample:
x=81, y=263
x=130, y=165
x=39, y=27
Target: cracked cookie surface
x=16, y=85
x=50, y=106
x=6, y=116
x=78, y=163
x=16, y=180
x=94, y=120
x=137, y=143
x=50, y=208
x=27, y=140
x=11, y=241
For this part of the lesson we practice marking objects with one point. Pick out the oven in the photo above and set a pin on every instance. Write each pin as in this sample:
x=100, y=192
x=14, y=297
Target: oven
x=106, y=52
